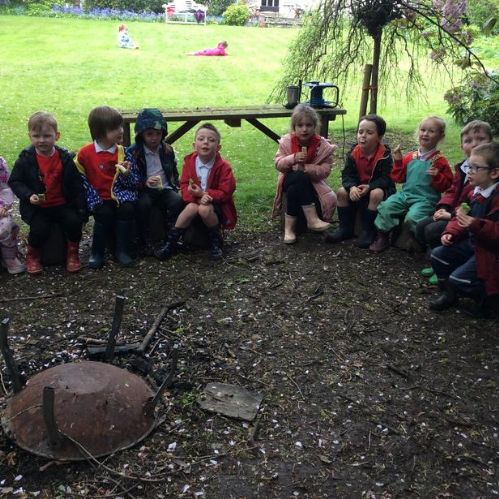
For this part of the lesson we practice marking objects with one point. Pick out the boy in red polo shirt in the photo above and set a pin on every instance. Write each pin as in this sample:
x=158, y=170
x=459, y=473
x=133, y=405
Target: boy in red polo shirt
x=50, y=189
x=365, y=182
x=111, y=179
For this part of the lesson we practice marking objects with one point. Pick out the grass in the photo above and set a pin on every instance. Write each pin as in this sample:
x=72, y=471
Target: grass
x=68, y=66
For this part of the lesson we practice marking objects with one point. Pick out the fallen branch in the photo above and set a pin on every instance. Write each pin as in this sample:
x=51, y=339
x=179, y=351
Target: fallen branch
x=21, y=298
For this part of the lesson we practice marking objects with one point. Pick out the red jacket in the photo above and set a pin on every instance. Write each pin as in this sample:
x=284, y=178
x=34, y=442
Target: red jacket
x=221, y=186
x=457, y=193
x=440, y=182
x=486, y=242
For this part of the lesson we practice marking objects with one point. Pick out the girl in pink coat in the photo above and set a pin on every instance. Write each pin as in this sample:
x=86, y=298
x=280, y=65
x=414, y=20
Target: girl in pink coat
x=304, y=160
x=218, y=50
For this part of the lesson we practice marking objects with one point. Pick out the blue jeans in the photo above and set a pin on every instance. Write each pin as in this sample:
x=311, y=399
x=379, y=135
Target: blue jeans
x=457, y=263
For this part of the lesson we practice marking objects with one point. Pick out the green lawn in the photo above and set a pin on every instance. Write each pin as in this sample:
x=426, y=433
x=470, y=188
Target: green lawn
x=68, y=66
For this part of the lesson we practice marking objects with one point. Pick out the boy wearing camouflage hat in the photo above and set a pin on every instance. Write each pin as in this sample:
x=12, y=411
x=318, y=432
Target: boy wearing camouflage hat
x=158, y=173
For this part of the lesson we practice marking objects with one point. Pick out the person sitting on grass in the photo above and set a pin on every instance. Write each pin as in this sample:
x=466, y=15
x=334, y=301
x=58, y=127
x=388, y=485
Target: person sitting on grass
x=110, y=178
x=50, y=190
x=430, y=229
x=425, y=174
x=467, y=263
x=304, y=160
x=207, y=185
x=158, y=174
x=365, y=182
x=125, y=41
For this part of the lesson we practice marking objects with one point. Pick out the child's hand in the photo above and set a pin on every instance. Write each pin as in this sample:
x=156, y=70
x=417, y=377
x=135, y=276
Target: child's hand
x=206, y=199
x=123, y=167
x=446, y=240
x=300, y=157
x=37, y=199
x=441, y=214
x=432, y=171
x=354, y=193
x=154, y=182
x=397, y=153
x=463, y=219
x=4, y=211
x=363, y=189
x=195, y=191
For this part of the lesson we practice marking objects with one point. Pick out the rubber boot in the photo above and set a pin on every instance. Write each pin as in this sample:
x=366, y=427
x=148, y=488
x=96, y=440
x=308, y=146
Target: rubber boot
x=446, y=299
x=98, y=252
x=33, y=264
x=381, y=243
x=215, y=243
x=368, y=229
x=124, y=232
x=314, y=223
x=10, y=258
x=289, y=229
x=171, y=245
x=73, y=263
x=346, y=216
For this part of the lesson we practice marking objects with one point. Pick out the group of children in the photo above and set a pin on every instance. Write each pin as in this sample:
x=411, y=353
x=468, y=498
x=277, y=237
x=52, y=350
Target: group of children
x=456, y=216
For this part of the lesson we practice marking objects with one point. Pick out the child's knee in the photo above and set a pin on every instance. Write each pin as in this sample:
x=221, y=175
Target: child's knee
x=376, y=196
x=342, y=195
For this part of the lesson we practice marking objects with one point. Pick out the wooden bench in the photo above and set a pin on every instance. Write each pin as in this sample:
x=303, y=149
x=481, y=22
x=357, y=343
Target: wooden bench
x=231, y=116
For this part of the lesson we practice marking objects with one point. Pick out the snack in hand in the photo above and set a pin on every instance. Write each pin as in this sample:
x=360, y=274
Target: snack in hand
x=465, y=208
x=156, y=181
x=41, y=197
x=122, y=169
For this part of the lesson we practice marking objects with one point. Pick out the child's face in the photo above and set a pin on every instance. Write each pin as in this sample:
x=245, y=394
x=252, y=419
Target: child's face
x=44, y=139
x=472, y=139
x=368, y=137
x=430, y=134
x=304, y=130
x=152, y=138
x=206, y=144
x=113, y=137
x=480, y=173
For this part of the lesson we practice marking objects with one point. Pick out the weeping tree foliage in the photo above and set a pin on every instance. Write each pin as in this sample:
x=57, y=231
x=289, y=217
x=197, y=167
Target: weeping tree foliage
x=341, y=36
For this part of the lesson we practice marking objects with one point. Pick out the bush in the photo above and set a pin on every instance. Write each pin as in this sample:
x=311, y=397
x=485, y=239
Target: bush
x=236, y=15
x=476, y=99
x=130, y=5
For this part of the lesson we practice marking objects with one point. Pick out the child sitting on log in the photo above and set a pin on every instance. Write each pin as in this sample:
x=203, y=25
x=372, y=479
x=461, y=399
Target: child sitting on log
x=424, y=173
x=365, y=182
x=207, y=185
x=304, y=160
x=467, y=263
x=49, y=188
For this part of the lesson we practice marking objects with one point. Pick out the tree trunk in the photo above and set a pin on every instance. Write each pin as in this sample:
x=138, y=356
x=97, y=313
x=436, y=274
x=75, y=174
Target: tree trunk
x=375, y=73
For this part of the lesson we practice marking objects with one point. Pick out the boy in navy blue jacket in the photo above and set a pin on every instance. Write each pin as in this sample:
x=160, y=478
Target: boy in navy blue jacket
x=158, y=173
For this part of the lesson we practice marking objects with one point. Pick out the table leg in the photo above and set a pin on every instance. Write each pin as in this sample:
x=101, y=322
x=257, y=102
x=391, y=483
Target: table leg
x=264, y=129
x=181, y=130
x=126, y=134
x=324, y=126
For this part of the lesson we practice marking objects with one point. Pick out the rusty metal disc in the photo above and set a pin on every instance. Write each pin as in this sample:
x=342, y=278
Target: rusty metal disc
x=100, y=407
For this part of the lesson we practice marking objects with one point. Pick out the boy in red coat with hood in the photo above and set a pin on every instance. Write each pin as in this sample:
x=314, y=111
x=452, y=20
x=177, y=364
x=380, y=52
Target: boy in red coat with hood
x=467, y=263
x=207, y=185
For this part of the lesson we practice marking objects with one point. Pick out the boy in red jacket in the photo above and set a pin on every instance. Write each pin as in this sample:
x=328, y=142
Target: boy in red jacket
x=207, y=185
x=467, y=263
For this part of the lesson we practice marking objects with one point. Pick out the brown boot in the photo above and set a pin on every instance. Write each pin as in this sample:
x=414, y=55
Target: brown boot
x=314, y=223
x=381, y=243
x=72, y=259
x=33, y=264
x=289, y=229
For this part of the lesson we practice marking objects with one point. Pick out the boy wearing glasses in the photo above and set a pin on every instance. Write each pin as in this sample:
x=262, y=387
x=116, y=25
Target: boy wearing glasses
x=467, y=263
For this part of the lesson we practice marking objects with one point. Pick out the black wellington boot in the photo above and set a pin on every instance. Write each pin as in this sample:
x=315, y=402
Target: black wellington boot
x=124, y=234
x=445, y=299
x=215, y=243
x=97, y=257
x=346, y=216
x=170, y=247
x=368, y=229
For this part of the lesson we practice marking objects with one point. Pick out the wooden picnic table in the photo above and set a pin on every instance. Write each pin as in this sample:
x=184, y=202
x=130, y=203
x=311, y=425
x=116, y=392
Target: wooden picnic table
x=232, y=116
